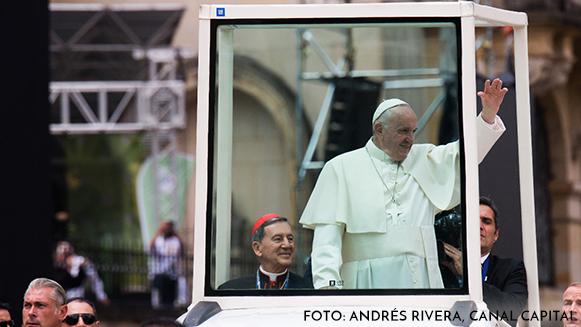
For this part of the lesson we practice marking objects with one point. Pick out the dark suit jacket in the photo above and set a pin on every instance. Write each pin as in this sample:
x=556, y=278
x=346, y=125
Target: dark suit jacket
x=506, y=286
x=294, y=281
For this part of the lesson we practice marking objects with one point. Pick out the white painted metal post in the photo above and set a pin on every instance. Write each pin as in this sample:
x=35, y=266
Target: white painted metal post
x=201, y=171
x=471, y=158
x=529, y=236
x=223, y=150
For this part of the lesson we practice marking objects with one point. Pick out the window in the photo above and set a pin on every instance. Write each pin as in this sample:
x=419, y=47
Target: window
x=289, y=95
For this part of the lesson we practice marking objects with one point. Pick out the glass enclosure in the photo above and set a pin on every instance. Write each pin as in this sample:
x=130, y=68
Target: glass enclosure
x=266, y=154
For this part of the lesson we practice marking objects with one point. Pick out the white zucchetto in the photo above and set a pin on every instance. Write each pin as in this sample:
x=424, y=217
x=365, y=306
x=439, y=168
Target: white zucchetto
x=385, y=105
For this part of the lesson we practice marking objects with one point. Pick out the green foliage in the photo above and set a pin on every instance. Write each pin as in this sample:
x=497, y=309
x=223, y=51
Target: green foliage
x=100, y=178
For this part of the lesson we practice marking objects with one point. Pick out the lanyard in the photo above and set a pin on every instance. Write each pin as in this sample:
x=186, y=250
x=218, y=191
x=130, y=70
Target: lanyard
x=283, y=286
x=485, y=269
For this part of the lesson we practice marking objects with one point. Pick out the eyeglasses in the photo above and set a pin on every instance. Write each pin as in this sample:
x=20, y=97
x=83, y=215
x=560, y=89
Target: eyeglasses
x=7, y=323
x=88, y=319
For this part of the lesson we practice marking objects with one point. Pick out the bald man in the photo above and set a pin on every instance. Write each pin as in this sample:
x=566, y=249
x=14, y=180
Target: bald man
x=372, y=209
x=572, y=305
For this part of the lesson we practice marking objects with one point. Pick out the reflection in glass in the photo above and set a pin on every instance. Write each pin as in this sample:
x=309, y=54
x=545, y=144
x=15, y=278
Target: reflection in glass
x=274, y=83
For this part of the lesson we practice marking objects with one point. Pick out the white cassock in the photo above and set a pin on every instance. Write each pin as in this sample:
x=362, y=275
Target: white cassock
x=374, y=218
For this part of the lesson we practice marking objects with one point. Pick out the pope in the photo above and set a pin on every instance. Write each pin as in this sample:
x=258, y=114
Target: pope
x=372, y=209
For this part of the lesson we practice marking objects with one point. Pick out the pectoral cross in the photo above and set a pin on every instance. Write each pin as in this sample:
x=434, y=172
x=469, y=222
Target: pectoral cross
x=393, y=214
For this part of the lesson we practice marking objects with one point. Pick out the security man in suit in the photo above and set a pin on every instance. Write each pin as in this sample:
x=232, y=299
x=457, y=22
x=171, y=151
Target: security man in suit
x=504, y=280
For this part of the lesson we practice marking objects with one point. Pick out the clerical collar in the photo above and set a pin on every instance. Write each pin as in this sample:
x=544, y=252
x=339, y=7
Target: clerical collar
x=268, y=280
x=484, y=257
x=376, y=152
x=272, y=276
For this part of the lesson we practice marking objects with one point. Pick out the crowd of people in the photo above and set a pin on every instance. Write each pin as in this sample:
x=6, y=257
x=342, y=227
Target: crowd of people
x=45, y=304
x=61, y=300
x=74, y=283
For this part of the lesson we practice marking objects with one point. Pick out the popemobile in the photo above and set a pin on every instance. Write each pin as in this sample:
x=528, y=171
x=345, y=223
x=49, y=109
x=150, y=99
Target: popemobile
x=257, y=261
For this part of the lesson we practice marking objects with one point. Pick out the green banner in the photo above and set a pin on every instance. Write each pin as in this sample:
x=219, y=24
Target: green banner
x=166, y=198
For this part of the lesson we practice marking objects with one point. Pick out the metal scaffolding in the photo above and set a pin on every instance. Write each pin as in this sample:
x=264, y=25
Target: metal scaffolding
x=430, y=77
x=137, y=106
x=115, y=71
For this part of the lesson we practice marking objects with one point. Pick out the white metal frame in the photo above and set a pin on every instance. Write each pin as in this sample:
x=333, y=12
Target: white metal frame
x=472, y=15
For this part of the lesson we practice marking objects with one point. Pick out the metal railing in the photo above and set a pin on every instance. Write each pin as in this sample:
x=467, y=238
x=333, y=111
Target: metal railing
x=126, y=268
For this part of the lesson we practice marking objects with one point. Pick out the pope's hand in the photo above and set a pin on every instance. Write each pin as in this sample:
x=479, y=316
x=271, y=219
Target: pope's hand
x=491, y=97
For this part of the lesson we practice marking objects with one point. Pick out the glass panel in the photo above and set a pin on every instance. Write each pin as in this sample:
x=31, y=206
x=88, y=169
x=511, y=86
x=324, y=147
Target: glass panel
x=385, y=220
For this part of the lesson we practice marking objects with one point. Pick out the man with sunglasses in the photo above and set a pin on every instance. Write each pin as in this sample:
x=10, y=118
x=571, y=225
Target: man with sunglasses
x=5, y=317
x=80, y=312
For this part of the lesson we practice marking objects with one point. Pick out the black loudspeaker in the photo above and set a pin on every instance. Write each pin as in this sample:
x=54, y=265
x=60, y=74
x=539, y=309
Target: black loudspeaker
x=354, y=102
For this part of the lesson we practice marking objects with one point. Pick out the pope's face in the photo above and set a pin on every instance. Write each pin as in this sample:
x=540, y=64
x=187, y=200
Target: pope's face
x=396, y=137
x=572, y=306
x=275, y=250
x=488, y=231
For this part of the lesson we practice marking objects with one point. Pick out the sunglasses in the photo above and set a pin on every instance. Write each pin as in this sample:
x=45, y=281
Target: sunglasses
x=7, y=323
x=88, y=319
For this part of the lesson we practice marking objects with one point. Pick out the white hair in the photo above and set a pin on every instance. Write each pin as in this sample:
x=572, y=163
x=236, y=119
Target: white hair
x=58, y=292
